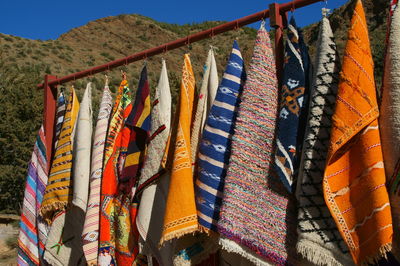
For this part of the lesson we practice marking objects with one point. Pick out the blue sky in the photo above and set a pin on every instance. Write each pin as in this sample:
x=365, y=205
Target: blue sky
x=45, y=19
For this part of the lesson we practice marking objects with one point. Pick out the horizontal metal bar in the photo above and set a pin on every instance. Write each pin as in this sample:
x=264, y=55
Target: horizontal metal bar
x=180, y=42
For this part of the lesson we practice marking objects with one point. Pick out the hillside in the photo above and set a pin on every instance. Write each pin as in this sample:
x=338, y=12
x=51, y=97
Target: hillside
x=23, y=62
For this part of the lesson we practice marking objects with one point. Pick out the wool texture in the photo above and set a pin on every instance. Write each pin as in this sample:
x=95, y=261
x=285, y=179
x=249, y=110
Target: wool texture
x=208, y=89
x=58, y=193
x=319, y=240
x=33, y=230
x=389, y=122
x=115, y=214
x=257, y=213
x=151, y=210
x=215, y=147
x=81, y=154
x=90, y=234
x=180, y=214
x=293, y=107
x=354, y=179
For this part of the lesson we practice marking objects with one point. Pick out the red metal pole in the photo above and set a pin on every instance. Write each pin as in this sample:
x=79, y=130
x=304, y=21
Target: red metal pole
x=283, y=8
x=50, y=103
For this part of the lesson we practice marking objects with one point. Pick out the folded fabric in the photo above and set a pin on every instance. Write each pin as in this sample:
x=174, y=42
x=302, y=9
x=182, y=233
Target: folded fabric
x=257, y=218
x=180, y=214
x=81, y=154
x=114, y=210
x=33, y=230
x=293, y=107
x=354, y=179
x=90, y=234
x=153, y=187
x=214, y=151
x=206, y=95
x=58, y=193
x=60, y=113
x=390, y=124
x=319, y=240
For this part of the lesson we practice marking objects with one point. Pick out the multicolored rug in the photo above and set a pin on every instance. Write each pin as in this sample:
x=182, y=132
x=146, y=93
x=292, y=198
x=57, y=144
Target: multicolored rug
x=114, y=213
x=319, y=240
x=33, y=230
x=354, y=179
x=180, y=214
x=257, y=218
x=153, y=186
x=58, y=193
x=293, y=107
x=215, y=144
x=90, y=234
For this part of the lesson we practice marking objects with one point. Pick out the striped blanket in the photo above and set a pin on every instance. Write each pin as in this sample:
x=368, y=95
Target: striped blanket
x=33, y=230
x=58, y=193
x=215, y=144
x=90, y=234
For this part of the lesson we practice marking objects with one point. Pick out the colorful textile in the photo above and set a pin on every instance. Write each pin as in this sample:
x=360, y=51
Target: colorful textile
x=354, y=179
x=58, y=192
x=215, y=145
x=257, y=215
x=64, y=244
x=390, y=124
x=293, y=107
x=61, y=105
x=33, y=230
x=319, y=240
x=115, y=212
x=208, y=89
x=82, y=144
x=90, y=235
x=139, y=125
x=154, y=194
x=134, y=140
x=180, y=214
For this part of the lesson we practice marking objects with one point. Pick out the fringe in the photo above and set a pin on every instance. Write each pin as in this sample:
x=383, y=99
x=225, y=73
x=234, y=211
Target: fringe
x=233, y=247
x=382, y=253
x=178, y=234
x=48, y=211
x=319, y=255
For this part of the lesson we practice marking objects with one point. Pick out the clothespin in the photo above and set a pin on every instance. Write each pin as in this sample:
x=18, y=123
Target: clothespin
x=106, y=80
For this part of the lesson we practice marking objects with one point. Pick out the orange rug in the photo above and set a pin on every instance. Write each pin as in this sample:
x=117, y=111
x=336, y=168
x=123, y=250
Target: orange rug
x=354, y=179
x=181, y=215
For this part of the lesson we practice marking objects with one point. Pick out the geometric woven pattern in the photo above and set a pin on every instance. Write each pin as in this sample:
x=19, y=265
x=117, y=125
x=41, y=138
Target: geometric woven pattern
x=319, y=239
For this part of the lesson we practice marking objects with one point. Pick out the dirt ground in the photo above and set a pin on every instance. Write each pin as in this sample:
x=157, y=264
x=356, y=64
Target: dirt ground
x=8, y=240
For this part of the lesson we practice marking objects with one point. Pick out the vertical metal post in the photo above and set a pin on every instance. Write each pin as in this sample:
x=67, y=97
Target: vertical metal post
x=278, y=22
x=49, y=115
